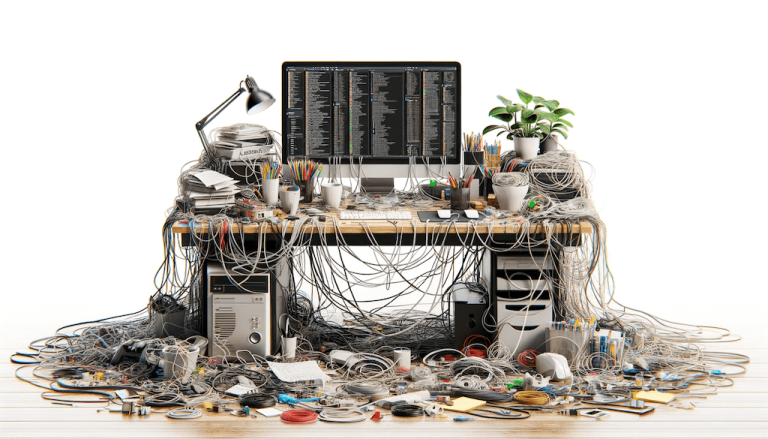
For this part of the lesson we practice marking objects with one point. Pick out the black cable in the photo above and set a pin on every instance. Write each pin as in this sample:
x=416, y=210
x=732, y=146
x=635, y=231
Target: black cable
x=407, y=410
x=483, y=395
x=257, y=400
x=500, y=415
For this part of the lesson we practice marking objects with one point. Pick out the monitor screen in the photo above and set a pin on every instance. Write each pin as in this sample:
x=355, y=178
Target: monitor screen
x=382, y=112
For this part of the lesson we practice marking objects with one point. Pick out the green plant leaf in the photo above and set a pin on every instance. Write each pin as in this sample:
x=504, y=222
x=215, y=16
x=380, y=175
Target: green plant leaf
x=529, y=116
x=514, y=108
x=510, y=136
x=562, y=133
x=501, y=114
x=538, y=106
x=563, y=111
x=547, y=116
x=490, y=128
x=497, y=110
x=525, y=97
x=505, y=101
x=546, y=129
x=538, y=99
x=551, y=105
x=565, y=122
x=561, y=126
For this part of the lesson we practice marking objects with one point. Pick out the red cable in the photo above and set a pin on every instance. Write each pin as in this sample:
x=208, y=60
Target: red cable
x=528, y=358
x=474, y=352
x=298, y=416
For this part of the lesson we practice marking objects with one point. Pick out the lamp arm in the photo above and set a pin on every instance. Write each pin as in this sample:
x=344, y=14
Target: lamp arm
x=202, y=123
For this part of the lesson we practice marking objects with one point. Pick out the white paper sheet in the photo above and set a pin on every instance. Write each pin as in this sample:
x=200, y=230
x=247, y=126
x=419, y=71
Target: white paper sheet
x=293, y=372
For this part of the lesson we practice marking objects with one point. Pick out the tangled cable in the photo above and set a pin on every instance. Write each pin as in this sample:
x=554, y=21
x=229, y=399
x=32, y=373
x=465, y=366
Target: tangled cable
x=298, y=416
x=513, y=179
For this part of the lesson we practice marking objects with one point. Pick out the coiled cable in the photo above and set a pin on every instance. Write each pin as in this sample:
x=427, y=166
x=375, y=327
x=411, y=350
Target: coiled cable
x=407, y=410
x=298, y=416
x=184, y=413
x=257, y=400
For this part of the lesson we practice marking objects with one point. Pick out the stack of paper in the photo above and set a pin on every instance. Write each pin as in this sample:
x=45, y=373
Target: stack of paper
x=206, y=188
x=240, y=142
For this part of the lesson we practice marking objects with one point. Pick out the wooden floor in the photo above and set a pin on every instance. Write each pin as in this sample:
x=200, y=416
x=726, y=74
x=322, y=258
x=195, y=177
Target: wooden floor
x=740, y=411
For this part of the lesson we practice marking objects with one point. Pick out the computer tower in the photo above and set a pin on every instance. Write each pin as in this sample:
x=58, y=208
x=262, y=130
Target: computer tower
x=239, y=313
x=523, y=299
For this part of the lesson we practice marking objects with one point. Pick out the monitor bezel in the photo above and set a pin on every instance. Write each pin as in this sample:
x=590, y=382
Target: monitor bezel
x=352, y=64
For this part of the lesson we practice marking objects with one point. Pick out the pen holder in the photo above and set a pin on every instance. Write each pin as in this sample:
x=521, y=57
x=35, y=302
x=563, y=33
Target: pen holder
x=306, y=189
x=269, y=188
x=460, y=198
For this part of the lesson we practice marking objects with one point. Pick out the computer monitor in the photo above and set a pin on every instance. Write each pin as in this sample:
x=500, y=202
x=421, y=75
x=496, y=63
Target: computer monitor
x=396, y=118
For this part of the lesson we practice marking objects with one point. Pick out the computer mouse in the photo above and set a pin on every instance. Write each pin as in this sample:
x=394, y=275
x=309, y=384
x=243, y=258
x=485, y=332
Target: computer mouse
x=553, y=365
x=471, y=214
x=444, y=214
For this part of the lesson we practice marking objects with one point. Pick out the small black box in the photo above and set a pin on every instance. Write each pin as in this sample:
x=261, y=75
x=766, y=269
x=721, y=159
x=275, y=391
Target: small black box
x=468, y=321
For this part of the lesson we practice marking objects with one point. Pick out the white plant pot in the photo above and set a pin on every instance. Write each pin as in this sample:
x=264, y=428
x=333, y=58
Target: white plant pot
x=526, y=147
x=549, y=145
x=510, y=198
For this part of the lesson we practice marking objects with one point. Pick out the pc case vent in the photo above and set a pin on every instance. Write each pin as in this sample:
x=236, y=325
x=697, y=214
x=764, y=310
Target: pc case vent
x=224, y=325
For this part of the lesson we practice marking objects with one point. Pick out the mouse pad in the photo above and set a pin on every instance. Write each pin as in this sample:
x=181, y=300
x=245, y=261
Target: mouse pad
x=431, y=216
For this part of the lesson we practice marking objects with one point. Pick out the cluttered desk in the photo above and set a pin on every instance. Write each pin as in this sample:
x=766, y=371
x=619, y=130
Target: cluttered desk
x=301, y=281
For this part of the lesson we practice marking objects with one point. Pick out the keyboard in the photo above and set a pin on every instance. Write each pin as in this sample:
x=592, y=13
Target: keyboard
x=375, y=214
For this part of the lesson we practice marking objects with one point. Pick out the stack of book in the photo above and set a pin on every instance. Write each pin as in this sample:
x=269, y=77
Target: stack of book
x=210, y=189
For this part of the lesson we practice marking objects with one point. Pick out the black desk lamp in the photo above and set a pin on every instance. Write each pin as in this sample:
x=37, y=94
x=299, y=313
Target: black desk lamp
x=258, y=101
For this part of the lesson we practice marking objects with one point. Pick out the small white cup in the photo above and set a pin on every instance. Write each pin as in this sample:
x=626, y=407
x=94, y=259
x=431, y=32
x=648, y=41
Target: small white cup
x=289, y=347
x=331, y=194
x=269, y=188
x=290, y=200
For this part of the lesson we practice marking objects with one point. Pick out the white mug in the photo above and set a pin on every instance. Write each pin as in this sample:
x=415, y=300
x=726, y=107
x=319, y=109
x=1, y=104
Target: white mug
x=331, y=194
x=290, y=200
x=269, y=188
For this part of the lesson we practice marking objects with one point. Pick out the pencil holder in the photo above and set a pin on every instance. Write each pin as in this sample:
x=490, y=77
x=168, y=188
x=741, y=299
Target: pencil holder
x=269, y=187
x=306, y=189
x=460, y=198
x=492, y=160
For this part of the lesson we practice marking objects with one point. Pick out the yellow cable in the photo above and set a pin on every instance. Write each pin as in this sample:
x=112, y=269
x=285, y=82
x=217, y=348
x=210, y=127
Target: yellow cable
x=532, y=397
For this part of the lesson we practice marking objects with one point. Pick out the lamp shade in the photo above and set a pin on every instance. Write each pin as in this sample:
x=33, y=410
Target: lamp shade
x=258, y=100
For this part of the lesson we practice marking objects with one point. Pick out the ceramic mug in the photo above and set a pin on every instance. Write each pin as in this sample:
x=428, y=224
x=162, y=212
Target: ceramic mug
x=290, y=200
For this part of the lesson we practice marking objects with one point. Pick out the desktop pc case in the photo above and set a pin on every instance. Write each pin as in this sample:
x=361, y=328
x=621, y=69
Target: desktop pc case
x=522, y=298
x=239, y=318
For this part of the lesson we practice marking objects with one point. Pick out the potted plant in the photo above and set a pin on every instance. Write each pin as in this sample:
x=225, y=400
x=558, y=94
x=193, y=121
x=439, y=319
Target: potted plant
x=526, y=126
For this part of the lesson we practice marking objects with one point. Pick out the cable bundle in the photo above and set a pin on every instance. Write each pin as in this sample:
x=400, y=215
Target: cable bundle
x=532, y=397
x=407, y=410
x=185, y=413
x=298, y=416
x=528, y=358
x=257, y=400
x=342, y=416
x=513, y=179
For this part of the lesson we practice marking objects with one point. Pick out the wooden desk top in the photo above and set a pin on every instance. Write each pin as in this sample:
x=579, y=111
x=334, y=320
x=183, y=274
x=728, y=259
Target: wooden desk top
x=400, y=226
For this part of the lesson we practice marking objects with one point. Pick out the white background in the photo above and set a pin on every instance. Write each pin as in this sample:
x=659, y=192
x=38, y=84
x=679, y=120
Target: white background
x=99, y=103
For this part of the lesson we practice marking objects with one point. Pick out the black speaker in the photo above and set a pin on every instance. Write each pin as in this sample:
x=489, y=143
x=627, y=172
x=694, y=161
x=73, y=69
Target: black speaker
x=468, y=321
